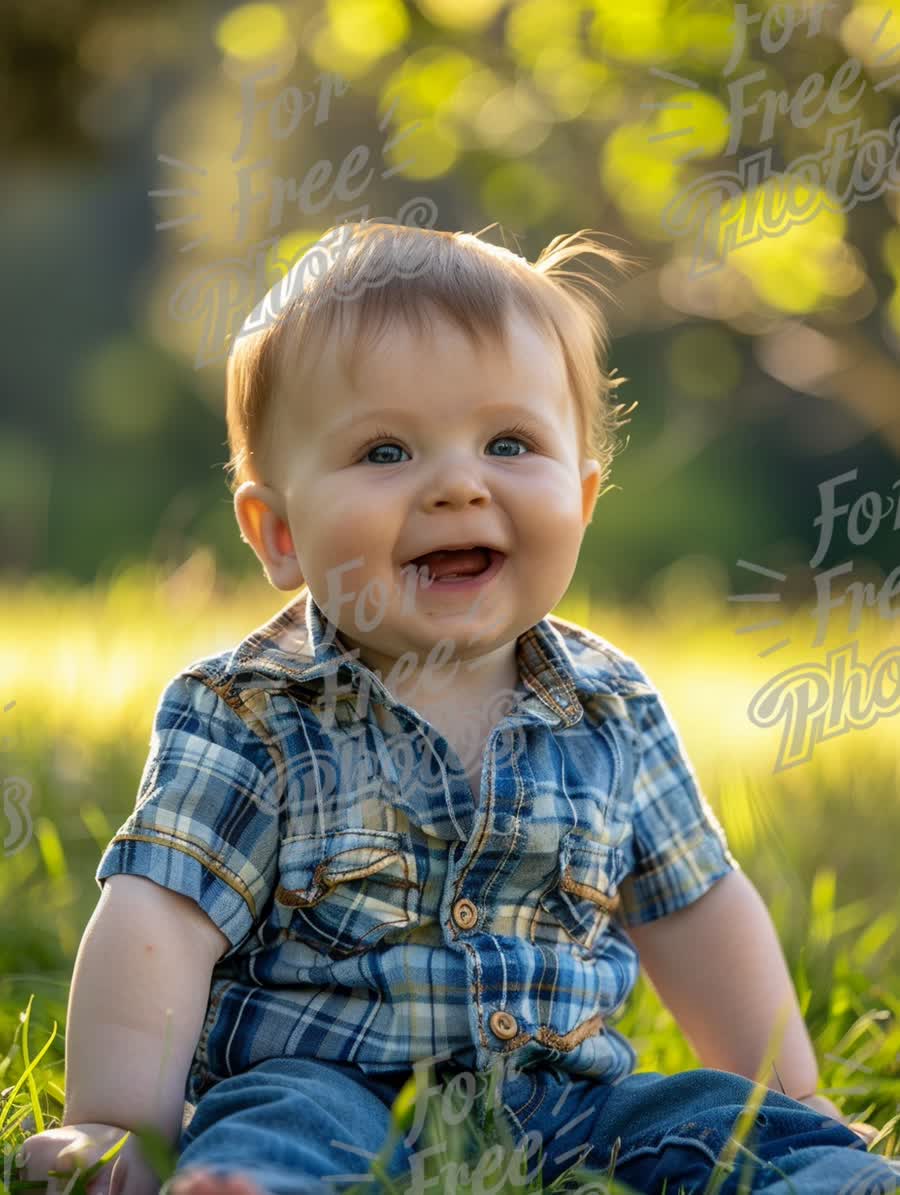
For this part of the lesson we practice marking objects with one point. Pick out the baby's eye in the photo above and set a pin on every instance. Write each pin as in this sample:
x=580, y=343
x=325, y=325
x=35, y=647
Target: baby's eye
x=508, y=438
x=379, y=448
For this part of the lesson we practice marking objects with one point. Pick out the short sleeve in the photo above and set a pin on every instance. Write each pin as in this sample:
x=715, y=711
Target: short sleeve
x=680, y=847
x=206, y=822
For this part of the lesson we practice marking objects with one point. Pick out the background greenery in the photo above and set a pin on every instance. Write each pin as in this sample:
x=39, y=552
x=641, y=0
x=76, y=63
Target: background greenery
x=754, y=382
x=819, y=840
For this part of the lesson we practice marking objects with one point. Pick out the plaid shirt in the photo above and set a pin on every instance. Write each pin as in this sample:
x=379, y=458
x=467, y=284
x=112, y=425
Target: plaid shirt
x=377, y=915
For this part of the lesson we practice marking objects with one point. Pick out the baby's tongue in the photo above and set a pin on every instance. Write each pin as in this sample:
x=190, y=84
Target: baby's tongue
x=464, y=561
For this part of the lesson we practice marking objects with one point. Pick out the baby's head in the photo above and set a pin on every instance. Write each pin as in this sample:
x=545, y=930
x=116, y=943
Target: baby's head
x=414, y=390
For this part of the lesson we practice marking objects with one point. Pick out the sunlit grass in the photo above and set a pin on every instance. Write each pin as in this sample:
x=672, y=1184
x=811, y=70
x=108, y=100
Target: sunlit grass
x=86, y=668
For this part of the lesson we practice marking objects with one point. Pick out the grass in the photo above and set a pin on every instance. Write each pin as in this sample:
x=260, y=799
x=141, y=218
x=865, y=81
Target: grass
x=85, y=669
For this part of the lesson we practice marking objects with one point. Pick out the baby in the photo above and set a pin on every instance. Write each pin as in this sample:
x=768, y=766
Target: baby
x=415, y=818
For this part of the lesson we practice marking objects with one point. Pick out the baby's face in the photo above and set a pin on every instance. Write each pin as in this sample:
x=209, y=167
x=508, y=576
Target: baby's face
x=443, y=468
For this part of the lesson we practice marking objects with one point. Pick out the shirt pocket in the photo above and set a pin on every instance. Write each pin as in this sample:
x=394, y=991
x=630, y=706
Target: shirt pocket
x=585, y=895
x=347, y=891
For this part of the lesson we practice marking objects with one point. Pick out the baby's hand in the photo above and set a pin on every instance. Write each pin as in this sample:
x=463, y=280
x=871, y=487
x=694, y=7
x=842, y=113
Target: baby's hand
x=75, y=1147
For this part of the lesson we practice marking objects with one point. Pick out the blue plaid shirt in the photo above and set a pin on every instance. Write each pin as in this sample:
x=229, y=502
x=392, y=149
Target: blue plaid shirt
x=376, y=914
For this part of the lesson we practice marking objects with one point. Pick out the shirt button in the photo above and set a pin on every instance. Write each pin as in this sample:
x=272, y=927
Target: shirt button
x=465, y=914
x=503, y=1025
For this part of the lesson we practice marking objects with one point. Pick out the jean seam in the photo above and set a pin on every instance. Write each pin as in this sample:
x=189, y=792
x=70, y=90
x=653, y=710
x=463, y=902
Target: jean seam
x=515, y=1115
x=669, y=1138
x=531, y=1095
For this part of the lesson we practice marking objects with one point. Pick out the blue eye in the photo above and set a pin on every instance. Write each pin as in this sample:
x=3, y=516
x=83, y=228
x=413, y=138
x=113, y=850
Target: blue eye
x=376, y=448
x=381, y=439
x=509, y=439
x=520, y=432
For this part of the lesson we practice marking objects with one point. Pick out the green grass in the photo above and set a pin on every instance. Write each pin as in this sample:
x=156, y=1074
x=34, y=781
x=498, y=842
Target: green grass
x=820, y=840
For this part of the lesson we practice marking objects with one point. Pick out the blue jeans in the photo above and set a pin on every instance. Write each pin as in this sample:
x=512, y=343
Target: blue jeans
x=299, y=1126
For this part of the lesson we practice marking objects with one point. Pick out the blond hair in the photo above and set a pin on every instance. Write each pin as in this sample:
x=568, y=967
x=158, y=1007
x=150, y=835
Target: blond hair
x=385, y=270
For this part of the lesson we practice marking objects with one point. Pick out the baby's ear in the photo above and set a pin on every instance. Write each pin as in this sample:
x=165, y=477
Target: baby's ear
x=590, y=484
x=257, y=509
x=283, y=540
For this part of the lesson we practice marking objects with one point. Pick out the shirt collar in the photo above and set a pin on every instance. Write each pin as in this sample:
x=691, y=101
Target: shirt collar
x=300, y=644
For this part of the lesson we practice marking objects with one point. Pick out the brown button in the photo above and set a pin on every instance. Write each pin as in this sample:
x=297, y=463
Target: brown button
x=465, y=914
x=503, y=1025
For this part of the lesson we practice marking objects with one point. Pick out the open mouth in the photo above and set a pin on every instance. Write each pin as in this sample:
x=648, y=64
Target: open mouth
x=457, y=567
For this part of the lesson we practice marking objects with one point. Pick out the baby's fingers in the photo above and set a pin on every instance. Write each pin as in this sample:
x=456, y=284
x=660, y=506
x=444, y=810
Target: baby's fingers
x=62, y=1180
x=37, y=1161
x=61, y=1157
x=75, y=1180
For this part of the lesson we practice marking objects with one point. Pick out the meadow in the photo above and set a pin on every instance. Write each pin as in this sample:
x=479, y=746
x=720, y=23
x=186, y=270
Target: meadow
x=819, y=838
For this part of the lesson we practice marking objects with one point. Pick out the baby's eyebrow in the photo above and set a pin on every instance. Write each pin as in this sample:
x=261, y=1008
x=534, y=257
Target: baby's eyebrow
x=401, y=414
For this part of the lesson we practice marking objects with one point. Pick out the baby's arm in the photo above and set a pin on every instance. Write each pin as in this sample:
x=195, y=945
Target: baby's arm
x=718, y=966
x=138, y=999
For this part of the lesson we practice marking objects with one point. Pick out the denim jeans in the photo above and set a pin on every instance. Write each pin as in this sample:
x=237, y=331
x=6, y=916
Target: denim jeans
x=300, y=1126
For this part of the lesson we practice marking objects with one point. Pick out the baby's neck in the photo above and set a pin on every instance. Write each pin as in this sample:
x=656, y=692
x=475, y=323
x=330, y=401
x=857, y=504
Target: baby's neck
x=464, y=687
